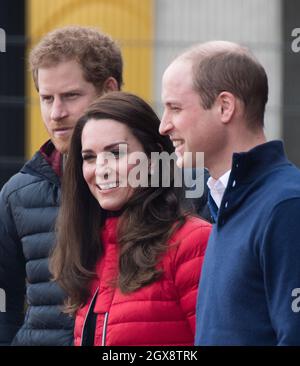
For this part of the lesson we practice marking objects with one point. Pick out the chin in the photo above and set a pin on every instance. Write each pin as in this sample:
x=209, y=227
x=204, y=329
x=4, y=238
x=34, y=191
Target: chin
x=110, y=207
x=61, y=146
x=61, y=149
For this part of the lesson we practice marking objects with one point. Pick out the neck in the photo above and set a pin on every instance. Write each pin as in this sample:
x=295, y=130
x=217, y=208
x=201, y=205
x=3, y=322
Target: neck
x=242, y=142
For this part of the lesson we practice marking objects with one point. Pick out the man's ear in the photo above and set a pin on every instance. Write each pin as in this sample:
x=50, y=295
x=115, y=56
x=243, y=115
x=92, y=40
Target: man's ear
x=227, y=106
x=110, y=84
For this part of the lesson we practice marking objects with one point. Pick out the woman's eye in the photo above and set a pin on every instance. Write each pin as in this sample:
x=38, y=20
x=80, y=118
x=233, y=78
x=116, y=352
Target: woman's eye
x=87, y=157
x=116, y=153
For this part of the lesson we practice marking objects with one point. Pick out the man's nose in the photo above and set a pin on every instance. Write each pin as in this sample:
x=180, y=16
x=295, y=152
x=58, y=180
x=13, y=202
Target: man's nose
x=165, y=124
x=58, y=110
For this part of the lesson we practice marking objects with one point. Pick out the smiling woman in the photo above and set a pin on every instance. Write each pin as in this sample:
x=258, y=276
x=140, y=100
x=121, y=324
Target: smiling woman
x=125, y=255
x=104, y=170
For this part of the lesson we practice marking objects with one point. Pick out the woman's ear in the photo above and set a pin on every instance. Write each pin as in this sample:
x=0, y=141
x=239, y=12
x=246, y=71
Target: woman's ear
x=160, y=147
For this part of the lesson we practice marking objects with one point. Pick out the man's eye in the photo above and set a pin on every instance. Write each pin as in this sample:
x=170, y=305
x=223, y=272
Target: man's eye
x=47, y=98
x=71, y=96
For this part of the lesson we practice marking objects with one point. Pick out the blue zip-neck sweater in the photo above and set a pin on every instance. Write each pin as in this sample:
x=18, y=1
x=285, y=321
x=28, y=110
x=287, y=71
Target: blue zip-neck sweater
x=252, y=262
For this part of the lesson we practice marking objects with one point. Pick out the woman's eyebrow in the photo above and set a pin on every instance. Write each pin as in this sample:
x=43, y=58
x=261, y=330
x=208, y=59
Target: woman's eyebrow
x=107, y=147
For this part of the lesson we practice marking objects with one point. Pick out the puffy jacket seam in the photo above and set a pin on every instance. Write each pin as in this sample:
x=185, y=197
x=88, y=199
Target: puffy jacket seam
x=38, y=259
x=36, y=233
x=180, y=240
x=27, y=328
x=42, y=282
x=8, y=197
x=187, y=238
x=8, y=194
x=144, y=300
x=165, y=345
x=148, y=321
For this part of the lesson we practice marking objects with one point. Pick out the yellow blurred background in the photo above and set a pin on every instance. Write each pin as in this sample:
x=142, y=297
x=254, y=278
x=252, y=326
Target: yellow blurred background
x=130, y=22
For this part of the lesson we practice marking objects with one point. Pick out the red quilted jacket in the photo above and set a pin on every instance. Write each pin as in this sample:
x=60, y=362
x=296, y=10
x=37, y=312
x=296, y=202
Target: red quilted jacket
x=159, y=314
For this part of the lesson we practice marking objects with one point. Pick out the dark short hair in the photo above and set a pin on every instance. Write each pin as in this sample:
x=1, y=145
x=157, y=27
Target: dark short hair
x=234, y=70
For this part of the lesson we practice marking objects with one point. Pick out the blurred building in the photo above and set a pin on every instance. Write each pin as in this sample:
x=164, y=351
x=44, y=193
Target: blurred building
x=151, y=33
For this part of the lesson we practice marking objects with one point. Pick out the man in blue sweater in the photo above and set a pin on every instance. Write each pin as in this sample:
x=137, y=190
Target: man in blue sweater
x=214, y=96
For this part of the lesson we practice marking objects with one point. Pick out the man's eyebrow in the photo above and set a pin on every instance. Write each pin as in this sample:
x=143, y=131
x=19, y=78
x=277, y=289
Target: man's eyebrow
x=172, y=102
x=71, y=91
x=44, y=94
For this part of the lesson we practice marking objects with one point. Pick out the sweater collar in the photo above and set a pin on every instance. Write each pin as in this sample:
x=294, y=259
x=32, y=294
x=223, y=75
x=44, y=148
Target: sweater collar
x=53, y=157
x=38, y=166
x=248, y=168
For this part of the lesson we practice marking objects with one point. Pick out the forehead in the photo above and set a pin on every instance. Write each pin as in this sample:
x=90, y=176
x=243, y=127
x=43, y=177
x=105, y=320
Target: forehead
x=177, y=80
x=61, y=77
x=99, y=133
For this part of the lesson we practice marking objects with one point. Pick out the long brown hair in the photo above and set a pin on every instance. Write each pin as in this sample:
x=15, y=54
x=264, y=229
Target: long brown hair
x=147, y=220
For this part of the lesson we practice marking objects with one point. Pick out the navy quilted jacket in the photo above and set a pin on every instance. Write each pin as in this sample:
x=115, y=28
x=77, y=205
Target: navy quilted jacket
x=28, y=208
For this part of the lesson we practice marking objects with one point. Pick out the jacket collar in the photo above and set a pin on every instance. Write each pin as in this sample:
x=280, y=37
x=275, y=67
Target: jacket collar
x=39, y=167
x=248, y=168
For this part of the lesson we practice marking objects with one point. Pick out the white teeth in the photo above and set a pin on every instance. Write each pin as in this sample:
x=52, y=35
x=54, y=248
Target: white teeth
x=107, y=186
x=177, y=143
